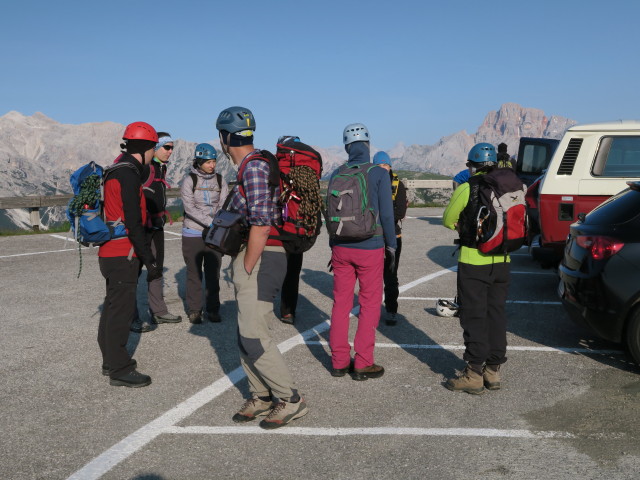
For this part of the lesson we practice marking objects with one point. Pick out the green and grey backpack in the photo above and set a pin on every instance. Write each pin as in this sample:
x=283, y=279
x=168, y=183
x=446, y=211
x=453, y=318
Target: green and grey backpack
x=349, y=215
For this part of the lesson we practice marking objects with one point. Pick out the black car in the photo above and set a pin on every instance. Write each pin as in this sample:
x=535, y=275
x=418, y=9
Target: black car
x=600, y=272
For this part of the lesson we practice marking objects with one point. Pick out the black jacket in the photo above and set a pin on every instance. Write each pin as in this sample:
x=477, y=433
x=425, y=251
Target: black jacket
x=155, y=192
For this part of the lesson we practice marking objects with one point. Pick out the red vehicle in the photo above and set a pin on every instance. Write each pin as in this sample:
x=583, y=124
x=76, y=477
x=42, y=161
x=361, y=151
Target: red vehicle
x=592, y=163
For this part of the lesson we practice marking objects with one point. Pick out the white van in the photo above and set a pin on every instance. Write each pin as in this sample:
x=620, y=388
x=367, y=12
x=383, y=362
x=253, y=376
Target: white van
x=592, y=163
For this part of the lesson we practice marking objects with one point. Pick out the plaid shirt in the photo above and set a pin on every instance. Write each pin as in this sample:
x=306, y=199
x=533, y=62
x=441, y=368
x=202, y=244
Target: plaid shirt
x=259, y=207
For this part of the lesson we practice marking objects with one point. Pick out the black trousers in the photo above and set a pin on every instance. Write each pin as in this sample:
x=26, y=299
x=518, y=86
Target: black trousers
x=201, y=260
x=391, y=282
x=118, y=311
x=482, y=293
x=289, y=293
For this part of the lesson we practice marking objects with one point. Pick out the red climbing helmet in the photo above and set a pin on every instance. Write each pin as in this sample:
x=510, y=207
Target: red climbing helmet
x=140, y=131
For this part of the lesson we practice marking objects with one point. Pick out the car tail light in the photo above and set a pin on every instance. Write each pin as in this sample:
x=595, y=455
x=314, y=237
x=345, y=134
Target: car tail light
x=598, y=246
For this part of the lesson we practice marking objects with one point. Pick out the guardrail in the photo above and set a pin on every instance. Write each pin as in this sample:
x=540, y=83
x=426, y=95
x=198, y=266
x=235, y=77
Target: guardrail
x=35, y=202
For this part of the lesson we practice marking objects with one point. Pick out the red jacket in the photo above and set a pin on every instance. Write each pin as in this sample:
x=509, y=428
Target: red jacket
x=123, y=199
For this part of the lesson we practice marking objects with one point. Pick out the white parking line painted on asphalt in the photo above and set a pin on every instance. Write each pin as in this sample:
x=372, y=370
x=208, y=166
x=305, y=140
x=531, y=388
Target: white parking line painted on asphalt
x=341, y=432
x=38, y=253
x=173, y=233
x=61, y=237
x=138, y=439
x=526, y=302
x=426, y=278
x=418, y=346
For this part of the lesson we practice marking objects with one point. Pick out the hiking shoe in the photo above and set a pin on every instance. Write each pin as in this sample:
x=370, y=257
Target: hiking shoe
x=214, y=317
x=283, y=412
x=195, y=317
x=391, y=319
x=133, y=379
x=289, y=318
x=166, y=318
x=141, y=327
x=372, y=371
x=341, y=372
x=468, y=381
x=491, y=377
x=252, y=408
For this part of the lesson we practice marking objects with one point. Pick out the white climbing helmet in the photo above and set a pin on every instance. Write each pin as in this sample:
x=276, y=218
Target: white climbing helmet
x=447, y=308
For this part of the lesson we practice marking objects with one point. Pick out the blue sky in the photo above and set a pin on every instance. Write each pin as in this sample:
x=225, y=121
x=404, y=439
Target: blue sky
x=412, y=71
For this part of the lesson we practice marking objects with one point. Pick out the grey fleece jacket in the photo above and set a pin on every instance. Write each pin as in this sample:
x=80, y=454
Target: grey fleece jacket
x=201, y=205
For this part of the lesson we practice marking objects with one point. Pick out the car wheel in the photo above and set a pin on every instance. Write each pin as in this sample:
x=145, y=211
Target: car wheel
x=633, y=335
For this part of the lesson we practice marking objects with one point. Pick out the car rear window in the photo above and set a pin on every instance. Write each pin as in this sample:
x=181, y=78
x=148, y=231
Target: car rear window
x=620, y=208
x=618, y=156
x=534, y=159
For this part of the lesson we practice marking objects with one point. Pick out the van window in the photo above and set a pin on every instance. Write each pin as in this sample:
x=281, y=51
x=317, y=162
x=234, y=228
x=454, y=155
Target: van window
x=534, y=159
x=618, y=157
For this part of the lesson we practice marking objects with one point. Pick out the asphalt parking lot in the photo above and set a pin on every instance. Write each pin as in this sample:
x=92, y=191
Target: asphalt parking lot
x=568, y=407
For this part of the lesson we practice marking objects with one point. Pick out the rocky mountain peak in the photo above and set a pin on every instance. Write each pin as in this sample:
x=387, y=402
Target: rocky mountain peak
x=37, y=153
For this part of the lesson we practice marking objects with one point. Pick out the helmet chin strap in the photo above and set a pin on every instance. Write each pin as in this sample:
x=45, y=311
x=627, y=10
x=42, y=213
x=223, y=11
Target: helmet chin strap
x=224, y=147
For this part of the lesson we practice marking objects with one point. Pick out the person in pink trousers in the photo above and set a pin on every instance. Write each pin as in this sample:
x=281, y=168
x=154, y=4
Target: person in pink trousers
x=362, y=261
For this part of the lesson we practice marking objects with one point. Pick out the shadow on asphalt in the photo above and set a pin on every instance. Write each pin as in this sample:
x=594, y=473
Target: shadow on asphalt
x=308, y=315
x=444, y=255
x=439, y=361
x=554, y=328
x=431, y=220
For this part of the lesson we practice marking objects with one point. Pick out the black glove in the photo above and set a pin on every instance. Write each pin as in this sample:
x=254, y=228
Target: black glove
x=153, y=272
x=389, y=259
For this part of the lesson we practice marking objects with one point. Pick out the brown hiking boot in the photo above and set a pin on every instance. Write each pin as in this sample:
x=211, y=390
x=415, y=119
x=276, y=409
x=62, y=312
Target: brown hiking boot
x=468, y=381
x=372, y=371
x=491, y=377
x=252, y=408
x=283, y=412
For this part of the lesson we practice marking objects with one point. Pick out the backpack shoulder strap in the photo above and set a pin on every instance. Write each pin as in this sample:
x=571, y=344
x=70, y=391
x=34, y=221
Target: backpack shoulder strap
x=219, y=179
x=116, y=166
x=194, y=180
x=265, y=156
x=146, y=183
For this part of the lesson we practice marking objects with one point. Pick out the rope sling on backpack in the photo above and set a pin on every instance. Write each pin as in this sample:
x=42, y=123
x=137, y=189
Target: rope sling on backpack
x=85, y=210
x=296, y=170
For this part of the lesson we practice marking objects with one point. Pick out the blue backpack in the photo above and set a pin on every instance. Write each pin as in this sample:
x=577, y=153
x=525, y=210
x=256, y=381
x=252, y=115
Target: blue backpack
x=85, y=209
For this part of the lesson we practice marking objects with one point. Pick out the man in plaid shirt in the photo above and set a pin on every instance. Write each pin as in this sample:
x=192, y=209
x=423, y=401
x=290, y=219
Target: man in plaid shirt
x=258, y=272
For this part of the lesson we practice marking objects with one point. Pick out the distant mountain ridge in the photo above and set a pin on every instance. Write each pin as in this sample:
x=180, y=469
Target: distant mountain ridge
x=37, y=154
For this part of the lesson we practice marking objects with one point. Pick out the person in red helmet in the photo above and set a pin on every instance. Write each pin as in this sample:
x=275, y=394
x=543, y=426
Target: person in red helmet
x=121, y=259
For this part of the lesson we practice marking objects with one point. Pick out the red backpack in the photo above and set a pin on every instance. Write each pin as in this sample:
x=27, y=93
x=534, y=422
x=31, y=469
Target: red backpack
x=296, y=168
x=502, y=216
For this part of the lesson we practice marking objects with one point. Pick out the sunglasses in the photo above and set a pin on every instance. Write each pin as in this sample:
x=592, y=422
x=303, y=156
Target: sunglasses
x=168, y=147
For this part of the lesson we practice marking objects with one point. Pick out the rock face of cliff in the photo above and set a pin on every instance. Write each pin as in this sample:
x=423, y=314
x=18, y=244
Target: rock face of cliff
x=507, y=125
x=37, y=154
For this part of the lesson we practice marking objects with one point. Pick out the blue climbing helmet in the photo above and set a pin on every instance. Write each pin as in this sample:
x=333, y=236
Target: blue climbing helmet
x=237, y=120
x=381, y=158
x=483, y=153
x=355, y=132
x=204, y=151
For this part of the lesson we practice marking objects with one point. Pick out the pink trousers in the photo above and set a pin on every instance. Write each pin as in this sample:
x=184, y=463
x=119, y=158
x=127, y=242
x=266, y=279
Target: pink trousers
x=349, y=265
